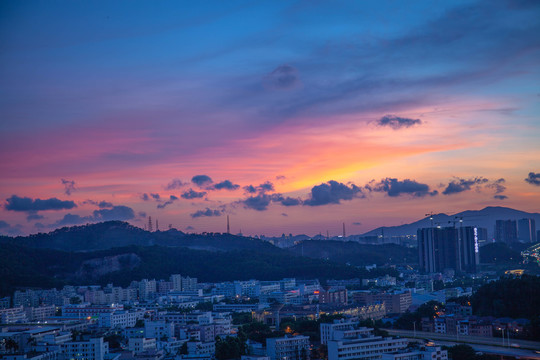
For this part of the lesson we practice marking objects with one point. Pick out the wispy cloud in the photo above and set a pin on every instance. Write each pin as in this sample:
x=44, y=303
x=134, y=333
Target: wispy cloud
x=69, y=186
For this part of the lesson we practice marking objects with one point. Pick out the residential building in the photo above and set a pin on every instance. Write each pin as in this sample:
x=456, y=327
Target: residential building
x=395, y=302
x=333, y=295
x=340, y=328
x=288, y=348
x=441, y=249
x=201, y=348
x=506, y=231
x=91, y=349
x=158, y=329
x=527, y=230
x=364, y=347
x=40, y=313
x=422, y=353
x=120, y=319
x=141, y=344
x=13, y=315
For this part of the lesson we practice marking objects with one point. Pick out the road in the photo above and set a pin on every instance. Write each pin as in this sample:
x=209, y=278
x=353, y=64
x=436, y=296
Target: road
x=523, y=344
x=523, y=354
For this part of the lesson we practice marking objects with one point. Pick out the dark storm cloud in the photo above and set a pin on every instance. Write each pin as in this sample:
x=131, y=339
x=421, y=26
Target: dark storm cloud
x=533, y=179
x=289, y=201
x=201, y=180
x=459, y=185
x=284, y=77
x=192, y=194
x=16, y=203
x=69, y=186
x=258, y=202
x=175, y=184
x=262, y=200
x=332, y=192
x=394, y=187
x=396, y=122
x=262, y=188
x=172, y=199
x=206, y=213
x=226, y=185
x=119, y=212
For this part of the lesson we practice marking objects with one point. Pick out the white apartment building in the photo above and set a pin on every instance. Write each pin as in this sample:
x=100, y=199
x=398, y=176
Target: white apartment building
x=138, y=345
x=40, y=313
x=340, y=329
x=12, y=315
x=288, y=348
x=158, y=329
x=201, y=348
x=120, y=319
x=91, y=349
x=85, y=310
x=425, y=353
x=364, y=347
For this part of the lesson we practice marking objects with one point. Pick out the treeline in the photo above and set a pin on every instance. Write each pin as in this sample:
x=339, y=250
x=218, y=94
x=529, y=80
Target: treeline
x=355, y=253
x=515, y=297
x=29, y=267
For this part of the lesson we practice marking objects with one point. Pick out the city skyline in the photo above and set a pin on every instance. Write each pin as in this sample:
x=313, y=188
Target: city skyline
x=287, y=117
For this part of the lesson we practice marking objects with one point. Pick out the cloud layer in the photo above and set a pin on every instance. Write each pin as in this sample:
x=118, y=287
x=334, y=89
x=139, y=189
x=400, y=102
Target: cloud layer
x=16, y=203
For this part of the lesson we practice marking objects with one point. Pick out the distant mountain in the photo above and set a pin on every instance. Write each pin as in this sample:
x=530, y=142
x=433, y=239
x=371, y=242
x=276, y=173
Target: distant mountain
x=113, y=234
x=482, y=218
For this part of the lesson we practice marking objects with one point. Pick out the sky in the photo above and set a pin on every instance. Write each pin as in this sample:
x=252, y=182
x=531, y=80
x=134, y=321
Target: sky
x=287, y=116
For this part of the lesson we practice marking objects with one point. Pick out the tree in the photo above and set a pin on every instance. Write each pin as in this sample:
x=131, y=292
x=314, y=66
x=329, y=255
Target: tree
x=230, y=348
x=183, y=349
x=11, y=345
x=461, y=352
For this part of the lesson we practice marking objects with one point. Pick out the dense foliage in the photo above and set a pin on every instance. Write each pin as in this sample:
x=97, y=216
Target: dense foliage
x=44, y=268
x=357, y=254
x=408, y=320
x=509, y=297
x=499, y=253
x=230, y=347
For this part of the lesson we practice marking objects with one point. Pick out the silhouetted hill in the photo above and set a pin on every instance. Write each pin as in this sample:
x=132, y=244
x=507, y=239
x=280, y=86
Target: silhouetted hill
x=30, y=267
x=111, y=234
x=356, y=254
x=482, y=218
